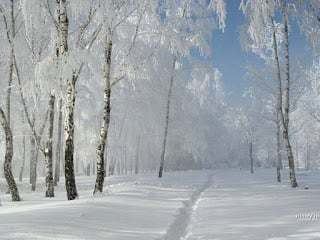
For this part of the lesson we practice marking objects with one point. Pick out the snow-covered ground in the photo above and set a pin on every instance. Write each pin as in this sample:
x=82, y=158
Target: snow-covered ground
x=211, y=205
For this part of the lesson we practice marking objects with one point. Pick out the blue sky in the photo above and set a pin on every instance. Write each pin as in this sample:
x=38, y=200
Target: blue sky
x=231, y=60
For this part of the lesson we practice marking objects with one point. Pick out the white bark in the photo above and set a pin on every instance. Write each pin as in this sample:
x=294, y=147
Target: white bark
x=287, y=102
x=283, y=106
x=63, y=33
x=8, y=158
x=58, y=147
x=106, y=118
x=69, y=140
x=48, y=150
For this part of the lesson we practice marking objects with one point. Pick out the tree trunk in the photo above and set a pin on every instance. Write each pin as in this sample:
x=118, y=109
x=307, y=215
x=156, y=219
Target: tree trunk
x=63, y=22
x=8, y=158
x=11, y=62
x=136, y=165
x=307, y=163
x=125, y=158
x=279, y=159
x=297, y=155
x=34, y=154
x=10, y=38
x=69, y=141
x=23, y=158
x=287, y=102
x=106, y=163
x=164, y=143
x=63, y=32
x=106, y=118
x=251, y=157
x=112, y=167
x=8, y=101
x=48, y=150
x=58, y=147
x=284, y=113
x=33, y=165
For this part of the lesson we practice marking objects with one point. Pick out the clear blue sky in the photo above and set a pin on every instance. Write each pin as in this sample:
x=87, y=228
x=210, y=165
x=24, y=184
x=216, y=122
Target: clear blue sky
x=231, y=60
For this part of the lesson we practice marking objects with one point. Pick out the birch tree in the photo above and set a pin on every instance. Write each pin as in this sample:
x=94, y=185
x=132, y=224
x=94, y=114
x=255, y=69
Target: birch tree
x=119, y=14
x=9, y=21
x=178, y=18
x=57, y=168
x=48, y=150
x=62, y=53
x=167, y=118
x=261, y=17
x=106, y=117
x=8, y=158
x=285, y=112
x=30, y=90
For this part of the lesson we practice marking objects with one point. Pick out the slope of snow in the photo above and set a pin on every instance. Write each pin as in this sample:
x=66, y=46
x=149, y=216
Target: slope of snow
x=215, y=205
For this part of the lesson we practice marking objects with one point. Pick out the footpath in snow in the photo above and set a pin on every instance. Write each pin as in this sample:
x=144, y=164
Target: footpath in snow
x=135, y=207
x=193, y=205
x=178, y=228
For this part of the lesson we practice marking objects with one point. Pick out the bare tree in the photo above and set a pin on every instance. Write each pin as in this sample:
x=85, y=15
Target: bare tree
x=167, y=118
x=279, y=112
x=62, y=50
x=58, y=146
x=284, y=105
x=48, y=150
x=279, y=157
x=23, y=158
x=23, y=153
x=251, y=157
x=137, y=160
x=10, y=30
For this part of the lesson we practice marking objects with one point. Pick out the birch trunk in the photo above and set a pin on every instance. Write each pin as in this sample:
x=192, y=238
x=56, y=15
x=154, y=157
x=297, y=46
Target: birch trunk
x=164, y=143
x=279, y=159
x=284, y=113
x=70, y=181
x=287, y=103
x=251, y=157
x=8, y=158
x=136, y=165
x=34, y=154
x=11, y=61
x=23, y=158
x=307, y=164
x=35, y=167
x=70, y=102
x=63, y=22
x=32, y=157
x=58, y=147
x=8, y=100
x=48, y=150
x=106, y=118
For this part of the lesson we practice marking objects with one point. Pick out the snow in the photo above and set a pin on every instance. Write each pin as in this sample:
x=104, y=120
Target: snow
x=211, y=205
x=239, y=206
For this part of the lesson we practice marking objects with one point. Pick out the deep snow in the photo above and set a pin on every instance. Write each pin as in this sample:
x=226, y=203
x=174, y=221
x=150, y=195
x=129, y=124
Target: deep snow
x=211, y=205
